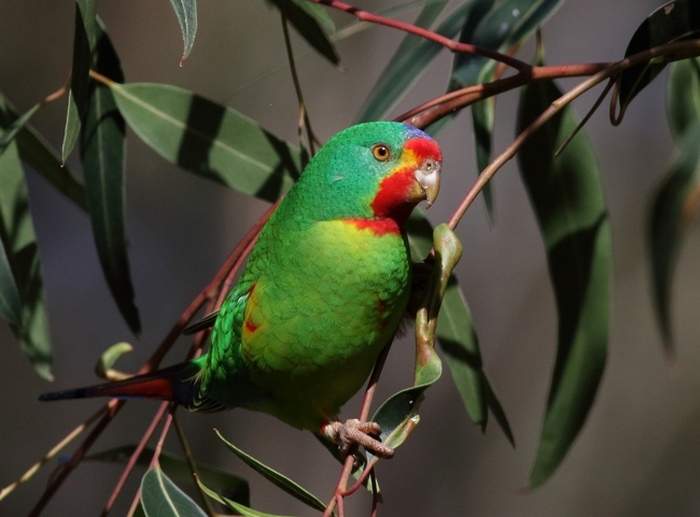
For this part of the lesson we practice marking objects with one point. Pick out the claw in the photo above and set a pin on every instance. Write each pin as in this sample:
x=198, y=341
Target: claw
x=353, y=432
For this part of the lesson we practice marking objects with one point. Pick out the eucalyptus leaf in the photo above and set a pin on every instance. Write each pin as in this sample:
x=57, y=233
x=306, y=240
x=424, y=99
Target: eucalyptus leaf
x=84, y=42
x=409, y=61
x=10, y=305
x=238, y=507
x=208, y=139
x=186, y=13
x=102, y=153
x=20, y=247
x=10, y=134
x=671, y=210
x=674, y=21
x=291, y=487
x=313, y=23
x=160, y=497
x=567, y=198
x=667, y=223
x=177, y=468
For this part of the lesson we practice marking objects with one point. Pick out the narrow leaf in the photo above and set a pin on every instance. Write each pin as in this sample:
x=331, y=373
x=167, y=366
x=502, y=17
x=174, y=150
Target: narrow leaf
x=208, y=139
x=567, y=198
x=102, y=154
x=10, y=134
x=291, y=487
x=20, y=247
x=78, y=97
x=160, y=497
x=667, y=223
x=10, y=305
x=177, y=468
x=673, y=21
x=237, y=507
x=186, y=12
x=409, y=61
x=683, y=96
x=313, y=23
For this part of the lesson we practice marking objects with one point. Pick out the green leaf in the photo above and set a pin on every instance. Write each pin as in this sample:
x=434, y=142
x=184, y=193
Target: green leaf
x=78, y=97
x=177, y=468
x=20, y=246
x=673, y=21
x=10, y=134
x=409, y=61
x=313, y=23
x=460, y=346
x=567, y=198
x=683, y=96
x=673, y=204
x=102, y=154
x=208, y=139
x=458, y=340
x=160, y=497
x=670, y=213
x=291, y=487
x=240, y=508
x=186, y=12
x=10, y=305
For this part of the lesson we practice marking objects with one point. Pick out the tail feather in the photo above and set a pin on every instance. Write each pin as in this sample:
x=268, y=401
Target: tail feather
x=176, y=383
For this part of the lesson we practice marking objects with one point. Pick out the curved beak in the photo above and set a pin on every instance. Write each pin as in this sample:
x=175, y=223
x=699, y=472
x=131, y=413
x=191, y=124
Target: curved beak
x=428, y=177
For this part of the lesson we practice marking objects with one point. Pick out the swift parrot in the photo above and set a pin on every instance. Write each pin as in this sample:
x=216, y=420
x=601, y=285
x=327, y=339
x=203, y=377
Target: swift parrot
x=322, y=293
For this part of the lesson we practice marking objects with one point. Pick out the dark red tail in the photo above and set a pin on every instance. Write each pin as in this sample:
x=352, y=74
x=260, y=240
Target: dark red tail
x=175, y=383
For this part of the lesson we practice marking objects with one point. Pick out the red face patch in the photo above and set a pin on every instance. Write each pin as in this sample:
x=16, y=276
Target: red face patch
x=424, y=148
x=384, y=226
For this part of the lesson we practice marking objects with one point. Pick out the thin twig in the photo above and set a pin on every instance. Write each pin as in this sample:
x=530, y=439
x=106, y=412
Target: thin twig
x=453, y=45
x=187, y=451
x=678, y=50
x=346, y=470
x=53, y=452
x=304, y=122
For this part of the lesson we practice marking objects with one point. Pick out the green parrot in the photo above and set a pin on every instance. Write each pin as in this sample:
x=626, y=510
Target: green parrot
x=323, y=292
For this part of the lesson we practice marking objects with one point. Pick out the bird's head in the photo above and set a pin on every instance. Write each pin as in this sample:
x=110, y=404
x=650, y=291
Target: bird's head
x=375, y=170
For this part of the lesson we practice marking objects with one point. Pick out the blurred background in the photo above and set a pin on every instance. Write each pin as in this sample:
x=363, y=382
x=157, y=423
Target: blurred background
x=638, y=454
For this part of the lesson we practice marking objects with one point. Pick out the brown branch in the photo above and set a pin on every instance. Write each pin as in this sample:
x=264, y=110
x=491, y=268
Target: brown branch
x=341, y=486
x=678, y=50
x=453, y=45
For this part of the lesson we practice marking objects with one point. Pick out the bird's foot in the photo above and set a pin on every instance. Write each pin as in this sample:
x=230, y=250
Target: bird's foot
x=352, y=432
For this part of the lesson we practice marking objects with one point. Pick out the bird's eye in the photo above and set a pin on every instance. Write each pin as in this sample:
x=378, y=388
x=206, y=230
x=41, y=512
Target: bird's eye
x=381, y=152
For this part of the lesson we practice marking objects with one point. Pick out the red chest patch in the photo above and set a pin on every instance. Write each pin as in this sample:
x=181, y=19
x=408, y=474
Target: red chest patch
x=383, y=226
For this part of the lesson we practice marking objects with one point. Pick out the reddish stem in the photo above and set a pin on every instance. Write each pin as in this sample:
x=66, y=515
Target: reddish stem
x=454, y=46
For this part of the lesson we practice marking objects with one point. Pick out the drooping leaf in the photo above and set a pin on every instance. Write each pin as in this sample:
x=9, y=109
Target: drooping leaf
x=313, y=23
x=160, y=497
x=238, y=507
x=20, y=246
x=208, y=139
x=567, y=198
x=10, y=305
x=84, y=42
x=409, y=61
x=670, y=213
x=673, y=202
x=9, y=134
x=683, y=96
x=186, y=13
x=177, y=469
x=102, y=153
x=495, y=25
x=291, y=487
x=458, y=340
x=673, y=21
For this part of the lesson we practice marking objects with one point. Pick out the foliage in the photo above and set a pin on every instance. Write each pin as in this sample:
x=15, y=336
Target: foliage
x=218, y=143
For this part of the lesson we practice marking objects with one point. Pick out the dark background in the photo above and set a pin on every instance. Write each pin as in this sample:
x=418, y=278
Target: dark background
x=639, y=453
